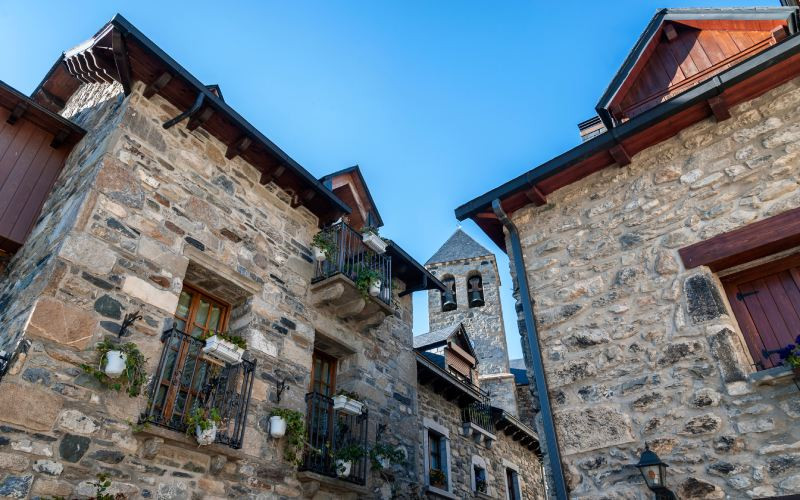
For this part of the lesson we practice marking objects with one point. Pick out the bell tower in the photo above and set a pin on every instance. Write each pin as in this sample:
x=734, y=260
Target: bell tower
x=469, y=271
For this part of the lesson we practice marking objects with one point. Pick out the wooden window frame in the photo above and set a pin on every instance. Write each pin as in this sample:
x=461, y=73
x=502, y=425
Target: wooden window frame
x=742, y=315
x=334, y=366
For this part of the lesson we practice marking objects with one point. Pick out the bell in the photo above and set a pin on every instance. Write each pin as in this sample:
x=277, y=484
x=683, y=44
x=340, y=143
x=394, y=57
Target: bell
x=475, y=298
x=449, y=301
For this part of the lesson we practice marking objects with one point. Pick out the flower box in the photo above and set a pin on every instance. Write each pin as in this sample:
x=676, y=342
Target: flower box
x=223, y=350
x=374, y=242
x=347, y=405
x=206, y=437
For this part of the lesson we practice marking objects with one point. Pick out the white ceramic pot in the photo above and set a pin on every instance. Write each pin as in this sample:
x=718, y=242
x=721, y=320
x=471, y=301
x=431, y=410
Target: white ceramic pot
x=223, y=350
x=206, y=437
x=375, y=288
x=346, y=405
x=115, y=363
x=319, y=254
x=374, y=242
x=384, y=462
x=277, y=426
x=343, y=468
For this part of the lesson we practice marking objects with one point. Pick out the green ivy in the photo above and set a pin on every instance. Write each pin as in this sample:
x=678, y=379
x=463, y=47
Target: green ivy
x=365, y=277
x=324, y=241
x=349, y=394
x=349, y=453
x=203, y=418
x=233, y=339
x=295, y=433
x=132, y=379
x=382, y=450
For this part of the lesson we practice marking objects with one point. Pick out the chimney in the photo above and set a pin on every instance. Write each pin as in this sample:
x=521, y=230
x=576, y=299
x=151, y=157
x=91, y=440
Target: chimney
x=591, y=128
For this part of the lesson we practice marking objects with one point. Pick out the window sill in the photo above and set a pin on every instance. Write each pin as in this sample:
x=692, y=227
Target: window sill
x=478, y=494
x=181, y=440
x=772, y=376
x=433, y=490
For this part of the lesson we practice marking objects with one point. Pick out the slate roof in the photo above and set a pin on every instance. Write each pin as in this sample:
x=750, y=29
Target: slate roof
x=436, y=336
x=459, y=246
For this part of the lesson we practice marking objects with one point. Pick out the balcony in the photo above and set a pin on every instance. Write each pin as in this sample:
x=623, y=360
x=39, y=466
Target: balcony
x=185, y=380
x=335, y=280
x=476, y=420
x=330, y=431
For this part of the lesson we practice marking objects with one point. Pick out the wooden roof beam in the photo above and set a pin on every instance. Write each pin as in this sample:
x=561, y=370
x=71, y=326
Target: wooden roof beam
x=269, y=176
x=777, y=34
x=199, y=118
x=620, y=155
x=121, y=60
x=719, y=108
x=238, y=147
x=156, y=85
x=535, y=196
x=669, y=32
x=17, y=113
x=59, y=138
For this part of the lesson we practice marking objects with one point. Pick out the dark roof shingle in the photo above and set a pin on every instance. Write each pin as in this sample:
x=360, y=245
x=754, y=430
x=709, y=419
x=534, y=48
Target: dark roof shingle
x=459, y=246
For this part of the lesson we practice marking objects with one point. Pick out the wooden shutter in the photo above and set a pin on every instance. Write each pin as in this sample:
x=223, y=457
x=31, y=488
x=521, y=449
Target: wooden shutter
x=766, y=303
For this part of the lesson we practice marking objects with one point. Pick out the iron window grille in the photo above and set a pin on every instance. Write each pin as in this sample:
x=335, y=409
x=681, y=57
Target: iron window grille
x=186, y=380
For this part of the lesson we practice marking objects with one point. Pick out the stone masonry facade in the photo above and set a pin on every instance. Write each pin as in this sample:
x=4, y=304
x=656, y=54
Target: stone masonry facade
x=484, y=324
x=636, y=347
x=136, y=212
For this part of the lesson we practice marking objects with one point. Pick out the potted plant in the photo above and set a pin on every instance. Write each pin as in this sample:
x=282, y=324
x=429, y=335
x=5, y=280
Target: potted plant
x=369, y=235
x=224, y=348
x=119, y=366
x=383, y=455
x=291, y=423
x=323, y=246
x=368, y=281
x=348, y=402
x=204, y=422
x=480, y=485
x=345, y=456
x=438, y=479
x=790, y=355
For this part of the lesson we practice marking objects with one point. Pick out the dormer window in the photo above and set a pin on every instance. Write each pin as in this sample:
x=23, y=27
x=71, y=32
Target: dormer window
x=449, y=295
x=475, y=291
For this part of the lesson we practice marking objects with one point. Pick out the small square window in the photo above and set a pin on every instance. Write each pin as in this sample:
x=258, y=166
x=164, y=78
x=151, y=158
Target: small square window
x=437, y=460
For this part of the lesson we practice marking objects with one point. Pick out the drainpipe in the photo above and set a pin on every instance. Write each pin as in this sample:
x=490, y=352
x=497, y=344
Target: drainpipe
x=551, y=440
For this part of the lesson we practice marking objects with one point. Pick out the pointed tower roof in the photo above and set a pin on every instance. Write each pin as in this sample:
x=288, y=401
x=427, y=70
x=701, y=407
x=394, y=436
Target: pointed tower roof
x=459, y=246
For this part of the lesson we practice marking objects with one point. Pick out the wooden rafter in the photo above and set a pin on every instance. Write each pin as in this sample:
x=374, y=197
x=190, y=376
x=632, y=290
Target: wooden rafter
x=719, y=108
x=238, y=147
x=156, y=85
x=17, y=113
x=121, y=60
x=620, y=155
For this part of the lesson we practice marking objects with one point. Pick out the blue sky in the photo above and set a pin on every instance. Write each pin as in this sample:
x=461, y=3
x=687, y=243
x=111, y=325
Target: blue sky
x=438, y=102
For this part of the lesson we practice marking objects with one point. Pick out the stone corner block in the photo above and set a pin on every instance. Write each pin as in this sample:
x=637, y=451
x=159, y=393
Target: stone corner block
x=63, y=323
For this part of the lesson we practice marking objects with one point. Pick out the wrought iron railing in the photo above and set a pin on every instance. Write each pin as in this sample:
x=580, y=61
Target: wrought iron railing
x=350, y=255
x=330, y=431
x=185, y=380
x=480, y=414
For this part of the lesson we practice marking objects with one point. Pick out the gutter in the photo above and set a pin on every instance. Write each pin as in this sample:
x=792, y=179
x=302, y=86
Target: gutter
x=550, y=437
x=702, y=92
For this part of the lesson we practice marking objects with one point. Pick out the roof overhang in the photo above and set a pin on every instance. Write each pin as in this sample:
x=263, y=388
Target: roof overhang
x=356, y=170
x=411, y=272
x=120, y=52
x=444, y=384
x=514, y=428
x=24, y=107
x=743, y=82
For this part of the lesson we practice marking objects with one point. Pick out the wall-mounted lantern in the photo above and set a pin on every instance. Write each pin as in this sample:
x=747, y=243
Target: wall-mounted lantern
x=654, y=472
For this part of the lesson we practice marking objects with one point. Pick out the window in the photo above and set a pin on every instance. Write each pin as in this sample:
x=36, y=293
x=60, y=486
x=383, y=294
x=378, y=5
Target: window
x=479, y=480
x=436, y=453
x=449, y=302
x=475, y=290
x=766, y=303
x=512, y=484
x=200, y=312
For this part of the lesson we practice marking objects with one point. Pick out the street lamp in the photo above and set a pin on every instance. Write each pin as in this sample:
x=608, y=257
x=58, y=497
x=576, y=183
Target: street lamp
x=654, y=472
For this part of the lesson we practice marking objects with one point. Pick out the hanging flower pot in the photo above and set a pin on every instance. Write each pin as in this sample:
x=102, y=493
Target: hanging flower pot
x=115, y=363
x=347, y=404
x=374, y=242
x=319, y=254
x=206, y=437
x=277, y=426
x=375, y=288
x=343, y=467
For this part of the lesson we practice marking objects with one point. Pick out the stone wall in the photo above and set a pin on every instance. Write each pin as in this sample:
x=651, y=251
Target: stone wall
x=434, y=407
x=484, y=324
x=138, y=211
x=638, y=348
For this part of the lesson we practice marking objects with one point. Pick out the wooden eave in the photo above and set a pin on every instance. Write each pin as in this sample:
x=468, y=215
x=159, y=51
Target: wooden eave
x=740, y=83
x=444, y=384
x=120, y=48
x=40, y=116
x=511, y=426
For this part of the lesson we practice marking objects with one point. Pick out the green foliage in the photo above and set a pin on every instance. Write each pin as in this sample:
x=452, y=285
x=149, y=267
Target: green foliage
x=480, y=485
x=324, y=241
x=295, y=433
x=382, y=450
x=365, y=277
x=202, y=417
x=437, y=477
x=101, y=487
x=350, y=452
x=370, y=230
x=233, y=339
x=132, y=379
x=349, y=394
x=142, y=424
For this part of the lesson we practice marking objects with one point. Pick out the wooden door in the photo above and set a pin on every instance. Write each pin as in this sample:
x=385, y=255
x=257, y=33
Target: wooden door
x=197, y=315
x=766, y=303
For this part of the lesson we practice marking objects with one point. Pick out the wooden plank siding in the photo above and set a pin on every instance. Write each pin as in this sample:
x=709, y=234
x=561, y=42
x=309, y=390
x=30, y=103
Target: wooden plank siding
x=692, y=57
x=28, y=168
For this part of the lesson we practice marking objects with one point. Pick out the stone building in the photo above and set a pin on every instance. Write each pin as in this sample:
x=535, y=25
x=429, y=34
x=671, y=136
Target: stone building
x=652, y=292
x=171, y=219
x=469, y=271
